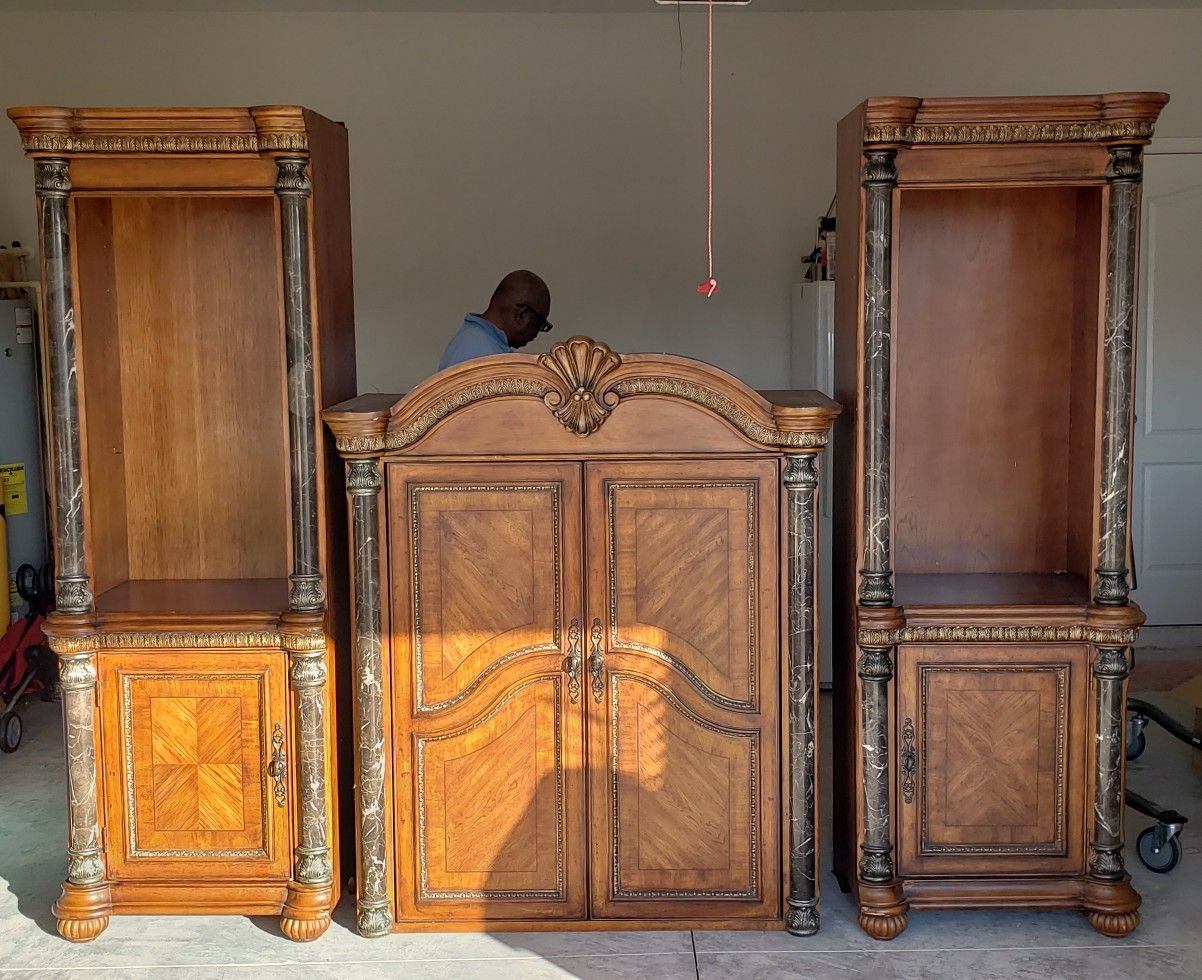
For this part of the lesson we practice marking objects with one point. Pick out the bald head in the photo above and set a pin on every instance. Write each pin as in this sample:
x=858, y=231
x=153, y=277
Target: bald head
x=519, y=306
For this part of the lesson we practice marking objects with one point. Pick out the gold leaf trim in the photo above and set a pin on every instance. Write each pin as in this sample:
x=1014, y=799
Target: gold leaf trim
x=268, y=639
x=723, y=406
x=996, y=634
x=143, y=143
x=1008, y=133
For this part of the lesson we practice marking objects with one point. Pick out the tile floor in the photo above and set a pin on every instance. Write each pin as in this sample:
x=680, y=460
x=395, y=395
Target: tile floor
x=1038, y=945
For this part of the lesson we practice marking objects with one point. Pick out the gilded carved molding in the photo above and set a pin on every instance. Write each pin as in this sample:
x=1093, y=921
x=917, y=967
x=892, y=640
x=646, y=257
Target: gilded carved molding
x=995, y=634
x=269, y=639
x=1009, y=133
x=579, y=389
x=174, y=143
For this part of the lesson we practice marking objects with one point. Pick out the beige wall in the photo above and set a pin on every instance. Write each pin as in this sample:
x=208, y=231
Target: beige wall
x=573, y=144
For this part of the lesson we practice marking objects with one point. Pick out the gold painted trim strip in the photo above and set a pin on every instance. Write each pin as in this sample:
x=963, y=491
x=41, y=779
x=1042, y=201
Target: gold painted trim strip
x=996, y=634
x=1009, y=133
x=254, y=639
x=143, y=143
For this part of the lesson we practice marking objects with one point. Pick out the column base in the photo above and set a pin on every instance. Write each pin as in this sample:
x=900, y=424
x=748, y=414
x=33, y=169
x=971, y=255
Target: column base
x=1112, y=907
x=306, y=913
x=801, y=917
x=373, y=921
x=884, y=913
x=83, y=911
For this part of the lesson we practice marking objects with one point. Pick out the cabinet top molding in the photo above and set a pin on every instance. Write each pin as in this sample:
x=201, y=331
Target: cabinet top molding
x=581, y=381
x=1121, y=117
x=257, y=129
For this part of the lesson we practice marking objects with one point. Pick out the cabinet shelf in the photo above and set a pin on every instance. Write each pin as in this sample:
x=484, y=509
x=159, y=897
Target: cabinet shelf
x=990, y=589
x=195, y=596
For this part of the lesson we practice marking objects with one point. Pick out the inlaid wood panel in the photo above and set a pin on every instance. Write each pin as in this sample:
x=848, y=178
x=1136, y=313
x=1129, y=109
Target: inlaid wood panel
x=684, y=717
x=990, y=740
x=682, y=581
x=489, y=741
x=486, y=565
x=491, y=822
x=193, y=742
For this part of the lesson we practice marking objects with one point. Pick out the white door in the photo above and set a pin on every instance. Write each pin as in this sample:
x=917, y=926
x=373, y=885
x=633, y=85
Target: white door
x=1167, y=491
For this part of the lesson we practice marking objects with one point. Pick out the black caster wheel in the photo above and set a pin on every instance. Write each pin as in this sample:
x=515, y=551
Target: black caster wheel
x=10, y=731
x=1161, y=859
x=1136, y=746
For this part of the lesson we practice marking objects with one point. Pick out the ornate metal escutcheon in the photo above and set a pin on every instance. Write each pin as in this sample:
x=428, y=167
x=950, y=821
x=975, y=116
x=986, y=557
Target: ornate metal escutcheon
x=596, y=662
x=278, y=767
x=572, y=662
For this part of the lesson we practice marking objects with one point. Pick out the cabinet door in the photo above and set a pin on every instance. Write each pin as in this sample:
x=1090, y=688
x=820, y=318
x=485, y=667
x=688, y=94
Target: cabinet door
x=991, y=775
x=189, y=738
x=684, y=725
x=489, y=732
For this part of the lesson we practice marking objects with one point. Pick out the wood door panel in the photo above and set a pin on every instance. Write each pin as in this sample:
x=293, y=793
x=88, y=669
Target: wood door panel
x=995, y=733
x=489, y=740
x=684, y=730
x=486, y=566
x=683, y=573
x=192, y=740
x=490, y=802
x=684, y=795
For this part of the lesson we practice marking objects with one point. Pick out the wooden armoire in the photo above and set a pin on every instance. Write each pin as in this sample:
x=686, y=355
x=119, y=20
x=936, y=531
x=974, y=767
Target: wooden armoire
x=196, y=292
x=585, y=645
x=985, y=329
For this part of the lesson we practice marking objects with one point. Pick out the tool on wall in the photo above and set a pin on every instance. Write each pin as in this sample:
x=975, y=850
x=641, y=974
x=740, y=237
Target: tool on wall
x=708, y=286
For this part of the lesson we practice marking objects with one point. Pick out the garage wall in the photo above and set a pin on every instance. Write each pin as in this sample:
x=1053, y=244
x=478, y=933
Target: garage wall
x=573, y=144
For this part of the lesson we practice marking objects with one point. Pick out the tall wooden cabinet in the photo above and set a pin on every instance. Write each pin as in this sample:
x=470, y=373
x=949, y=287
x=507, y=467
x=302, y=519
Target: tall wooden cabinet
x=585, y=646
x=984, y=339
x=197, y=302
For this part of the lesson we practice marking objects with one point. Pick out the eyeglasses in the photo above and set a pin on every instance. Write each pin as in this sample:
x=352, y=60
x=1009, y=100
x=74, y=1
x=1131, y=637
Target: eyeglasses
x=543, y=324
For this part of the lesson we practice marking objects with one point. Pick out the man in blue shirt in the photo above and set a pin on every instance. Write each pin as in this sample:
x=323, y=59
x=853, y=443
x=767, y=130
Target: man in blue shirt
x=516, y=314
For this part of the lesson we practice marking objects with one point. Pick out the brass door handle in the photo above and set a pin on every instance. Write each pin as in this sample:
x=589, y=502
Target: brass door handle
x=277, y=769
x=571, y=663
x=596, y=663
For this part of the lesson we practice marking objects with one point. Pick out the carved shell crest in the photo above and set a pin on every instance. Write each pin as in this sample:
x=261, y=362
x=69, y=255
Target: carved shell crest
x=581, y=398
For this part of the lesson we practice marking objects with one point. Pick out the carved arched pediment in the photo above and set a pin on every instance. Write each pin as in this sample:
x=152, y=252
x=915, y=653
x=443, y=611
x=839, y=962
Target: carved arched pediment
x=582, y=382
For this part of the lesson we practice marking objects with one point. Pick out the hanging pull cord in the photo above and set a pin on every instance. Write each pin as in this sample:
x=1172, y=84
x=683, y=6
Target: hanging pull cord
x=710, y=286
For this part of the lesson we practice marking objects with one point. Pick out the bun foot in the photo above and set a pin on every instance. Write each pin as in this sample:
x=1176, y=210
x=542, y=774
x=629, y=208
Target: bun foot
x=304, y=930
x=82, y=930
x=1116, y=925
x=884, y=913
x=306, y=912
x=884, y=927
x=82, y=911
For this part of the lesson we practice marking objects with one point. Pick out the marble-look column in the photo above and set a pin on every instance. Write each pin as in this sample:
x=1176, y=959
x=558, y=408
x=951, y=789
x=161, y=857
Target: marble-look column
x=876, y=670
x=1110, y=669
x=801, y=488
x=293, y=189
x=52, y=182
x=880, y=178
x=1124, y=176
x=73, y=595
x=876, y=576
x=363, y=484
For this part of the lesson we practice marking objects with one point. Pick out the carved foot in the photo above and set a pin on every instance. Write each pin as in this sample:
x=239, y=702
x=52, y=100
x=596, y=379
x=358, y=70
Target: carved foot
x=801, y=918
x=306, y=913
x=1116, y=925
x=884, y=927
x=884, y=914
x=374, y=921
x=1112, y=907
x=82, y=911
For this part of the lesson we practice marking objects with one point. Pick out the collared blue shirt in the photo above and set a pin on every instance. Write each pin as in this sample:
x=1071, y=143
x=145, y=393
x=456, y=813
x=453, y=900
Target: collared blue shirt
x=476, y=338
